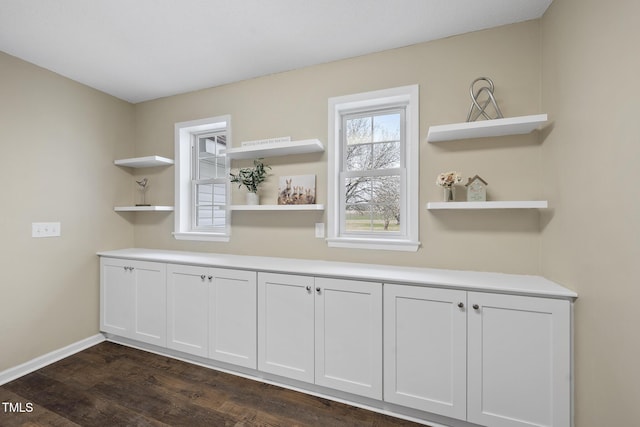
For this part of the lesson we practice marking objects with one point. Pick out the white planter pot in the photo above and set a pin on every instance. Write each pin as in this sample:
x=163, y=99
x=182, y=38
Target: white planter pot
x=253, y=199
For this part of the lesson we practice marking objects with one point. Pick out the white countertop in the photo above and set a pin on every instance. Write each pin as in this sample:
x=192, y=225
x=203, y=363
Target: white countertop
x=460, y=279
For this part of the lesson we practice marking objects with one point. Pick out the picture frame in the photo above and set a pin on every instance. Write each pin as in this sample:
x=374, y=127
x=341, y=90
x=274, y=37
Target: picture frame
x=297, y=190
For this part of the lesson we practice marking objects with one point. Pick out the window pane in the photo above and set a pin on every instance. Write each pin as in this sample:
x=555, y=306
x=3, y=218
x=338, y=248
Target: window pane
x=210, y=194
x=207, y=169
x=211, y=168
x=211, y=216
x=204, y=194
x=358, y=190
x=386, y=155
x=222, y=167
x=211, y=163
x=219, y=217
x=372, y=144
x=358, y=218
x=210, y=202
x=219, y=194
x=358, y=130
x=386, y=203
x=211, y=144
x=221, y=144
x=386, y=127
x=206, y=146
x=204, y=216
x=373, y=204
x=210, y=198
x=358, y=157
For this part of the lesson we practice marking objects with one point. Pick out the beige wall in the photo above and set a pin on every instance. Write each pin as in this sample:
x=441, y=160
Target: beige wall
x=295, y=104
x=58, y=140
x=591, y=240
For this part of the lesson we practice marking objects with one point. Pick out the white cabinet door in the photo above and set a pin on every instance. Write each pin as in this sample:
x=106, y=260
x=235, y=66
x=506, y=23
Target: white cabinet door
x=133, y=299
x=116, y=296
x=425, y=349
x=519, y=361
x=188, y=309
x=285, y=325
x=233, y=317
x=348, y=336
x=150, y=303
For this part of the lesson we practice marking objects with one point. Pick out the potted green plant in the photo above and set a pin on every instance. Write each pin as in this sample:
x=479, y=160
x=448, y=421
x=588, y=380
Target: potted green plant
x=251, y=178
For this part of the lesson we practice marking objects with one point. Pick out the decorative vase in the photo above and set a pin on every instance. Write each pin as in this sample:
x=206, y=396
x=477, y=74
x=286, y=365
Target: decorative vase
x=449, y=194
x=253, y=199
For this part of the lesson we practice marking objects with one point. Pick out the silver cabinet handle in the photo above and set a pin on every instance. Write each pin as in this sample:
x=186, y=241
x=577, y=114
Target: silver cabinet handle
x=476, y=307
x=308, y=288
x=461, y=305
x=318, y=290
x=202, y=276
x=210, y=278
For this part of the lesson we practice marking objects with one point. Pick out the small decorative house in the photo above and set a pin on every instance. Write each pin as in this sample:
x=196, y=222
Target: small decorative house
x=476, y=189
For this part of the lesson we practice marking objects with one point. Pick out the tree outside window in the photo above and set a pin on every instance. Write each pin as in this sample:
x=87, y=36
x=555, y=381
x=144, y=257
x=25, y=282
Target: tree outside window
x=372, y=144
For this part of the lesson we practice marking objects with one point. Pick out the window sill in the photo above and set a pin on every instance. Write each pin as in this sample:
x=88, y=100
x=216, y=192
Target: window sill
x=206, y=237
x=377, y=244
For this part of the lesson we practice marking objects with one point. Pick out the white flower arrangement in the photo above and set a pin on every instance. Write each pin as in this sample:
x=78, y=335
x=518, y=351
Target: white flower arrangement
x=448, y=179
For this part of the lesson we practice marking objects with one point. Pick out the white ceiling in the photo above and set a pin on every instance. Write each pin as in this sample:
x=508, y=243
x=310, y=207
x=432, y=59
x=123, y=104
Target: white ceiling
x=139, y=50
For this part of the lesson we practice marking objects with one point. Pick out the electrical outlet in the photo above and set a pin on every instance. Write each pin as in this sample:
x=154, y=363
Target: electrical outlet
x=320, y=230
x=45, y=229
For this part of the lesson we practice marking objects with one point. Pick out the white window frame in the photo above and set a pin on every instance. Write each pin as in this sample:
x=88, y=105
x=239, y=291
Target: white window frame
x=404, y=96
x=184, y=228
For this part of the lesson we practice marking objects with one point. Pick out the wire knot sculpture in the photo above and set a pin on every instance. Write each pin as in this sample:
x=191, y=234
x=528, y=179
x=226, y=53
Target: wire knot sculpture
x=143, y=186
x=479, y=107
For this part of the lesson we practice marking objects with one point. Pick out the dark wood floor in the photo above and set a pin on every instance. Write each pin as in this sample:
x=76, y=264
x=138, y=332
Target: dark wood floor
x=113, y=385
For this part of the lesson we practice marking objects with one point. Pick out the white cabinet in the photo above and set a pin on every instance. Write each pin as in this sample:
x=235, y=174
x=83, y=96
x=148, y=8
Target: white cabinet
x=482, y=348
x=322, y=331
x=425, y=349
x=212, y=313
x=187, y=309
x=133, y=299
x=233, y=316
x=348, y=336
x=509, y=354
x=519, y=369
x=286, y=325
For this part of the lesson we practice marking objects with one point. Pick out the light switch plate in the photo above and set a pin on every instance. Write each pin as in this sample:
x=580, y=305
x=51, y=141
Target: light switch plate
x=320, y=230
x=45, y=229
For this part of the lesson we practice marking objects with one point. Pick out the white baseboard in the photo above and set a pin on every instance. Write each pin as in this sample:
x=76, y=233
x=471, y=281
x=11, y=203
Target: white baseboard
x=49, y=358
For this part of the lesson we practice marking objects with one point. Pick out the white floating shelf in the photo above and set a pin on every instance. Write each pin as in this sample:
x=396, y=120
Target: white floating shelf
x=275, y=149
x=527, y=204
x=276, y=207
x=144, y=162
x=486, y=128
x=143, y=208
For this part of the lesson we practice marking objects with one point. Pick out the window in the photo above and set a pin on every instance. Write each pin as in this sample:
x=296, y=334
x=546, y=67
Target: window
x=202, y=184
x=373, y=170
